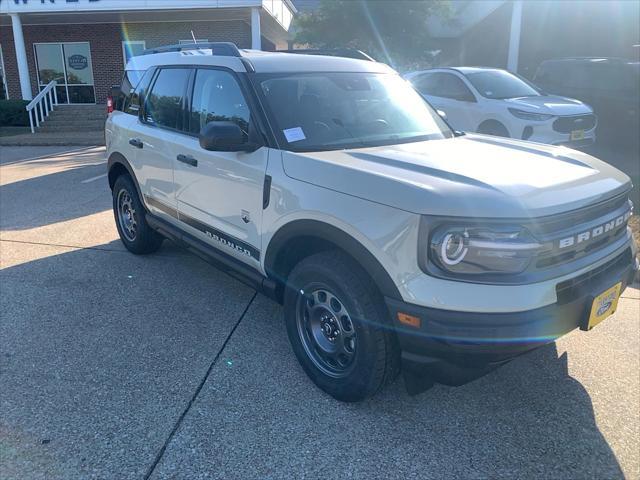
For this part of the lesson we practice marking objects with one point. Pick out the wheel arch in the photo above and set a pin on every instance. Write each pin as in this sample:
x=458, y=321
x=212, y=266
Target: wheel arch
x=493, y=122
x=301, y=238
x=118, y=165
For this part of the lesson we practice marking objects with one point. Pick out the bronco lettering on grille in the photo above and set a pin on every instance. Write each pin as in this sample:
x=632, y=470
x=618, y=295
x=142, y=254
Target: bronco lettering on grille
x=594, y=232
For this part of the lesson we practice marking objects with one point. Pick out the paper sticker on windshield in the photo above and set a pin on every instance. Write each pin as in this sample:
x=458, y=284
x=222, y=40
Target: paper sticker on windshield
x=294, y=134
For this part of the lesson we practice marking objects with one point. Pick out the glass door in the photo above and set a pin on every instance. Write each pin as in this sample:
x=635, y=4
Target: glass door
x=70, y=65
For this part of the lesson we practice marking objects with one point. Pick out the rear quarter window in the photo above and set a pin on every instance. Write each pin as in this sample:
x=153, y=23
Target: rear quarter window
x=132, y=102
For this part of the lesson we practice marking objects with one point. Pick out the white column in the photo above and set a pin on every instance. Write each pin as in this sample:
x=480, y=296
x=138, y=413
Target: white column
x=514, y=37
x=21, y=56
x=256, y=41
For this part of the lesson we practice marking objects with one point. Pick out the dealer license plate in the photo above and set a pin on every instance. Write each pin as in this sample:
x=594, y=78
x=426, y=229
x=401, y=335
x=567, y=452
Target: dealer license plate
x=604, y=305
x=577, y=135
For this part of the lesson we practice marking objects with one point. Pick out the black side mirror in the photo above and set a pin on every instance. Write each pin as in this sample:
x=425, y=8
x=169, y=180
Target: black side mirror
x=224, y=137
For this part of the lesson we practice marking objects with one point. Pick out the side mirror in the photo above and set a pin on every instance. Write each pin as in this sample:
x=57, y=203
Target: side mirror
x=224, y=137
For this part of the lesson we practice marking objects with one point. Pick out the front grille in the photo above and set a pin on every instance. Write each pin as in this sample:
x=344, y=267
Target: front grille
x=556, y=223
x=574, y=235
x=574, y=122
x=573, y=288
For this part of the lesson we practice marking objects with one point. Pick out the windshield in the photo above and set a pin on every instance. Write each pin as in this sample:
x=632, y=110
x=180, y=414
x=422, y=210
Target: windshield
x=330, y=111
x=498, y=84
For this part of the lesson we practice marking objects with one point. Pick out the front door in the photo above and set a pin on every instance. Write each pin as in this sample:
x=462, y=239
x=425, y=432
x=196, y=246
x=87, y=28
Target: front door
x=219, y=194
x=70, y=65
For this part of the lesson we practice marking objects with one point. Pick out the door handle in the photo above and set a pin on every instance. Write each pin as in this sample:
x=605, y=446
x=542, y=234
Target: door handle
x=136, y=142
x=188, y=159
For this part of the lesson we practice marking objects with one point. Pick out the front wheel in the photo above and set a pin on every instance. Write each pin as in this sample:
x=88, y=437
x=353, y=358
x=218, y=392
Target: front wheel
x=493, y=127
x=136, y=235
x=338, y=328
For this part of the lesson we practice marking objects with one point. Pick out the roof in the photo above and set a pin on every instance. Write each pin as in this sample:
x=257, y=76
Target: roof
x=259, y=61
x=588, y=59
x=462, y=70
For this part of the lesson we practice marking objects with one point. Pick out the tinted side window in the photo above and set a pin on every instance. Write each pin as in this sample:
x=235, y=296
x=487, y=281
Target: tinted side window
x=427, y=83
x=217, y=97
x=446, y=85
x=163, y=105
x=131, y=102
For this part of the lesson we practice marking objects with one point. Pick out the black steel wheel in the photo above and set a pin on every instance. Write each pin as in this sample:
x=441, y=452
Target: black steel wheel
x=129, y=213
x=326, y=331
x=338, y=327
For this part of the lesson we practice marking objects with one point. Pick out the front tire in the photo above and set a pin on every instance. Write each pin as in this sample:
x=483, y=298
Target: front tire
x=135, y=233
x=493, y=127
x=338, y=328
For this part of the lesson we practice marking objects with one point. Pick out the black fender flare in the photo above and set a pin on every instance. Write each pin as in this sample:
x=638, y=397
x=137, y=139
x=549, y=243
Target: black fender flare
x=338, y=237
x=117, y=160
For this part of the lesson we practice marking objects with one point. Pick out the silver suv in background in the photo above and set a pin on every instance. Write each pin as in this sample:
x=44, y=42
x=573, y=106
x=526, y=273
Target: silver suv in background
x=497, y=102
x=393, y=243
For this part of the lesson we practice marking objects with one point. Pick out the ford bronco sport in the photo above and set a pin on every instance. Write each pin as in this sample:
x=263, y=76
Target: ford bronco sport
x=392, y=241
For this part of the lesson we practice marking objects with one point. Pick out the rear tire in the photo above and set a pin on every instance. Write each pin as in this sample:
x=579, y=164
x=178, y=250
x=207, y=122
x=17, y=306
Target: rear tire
x=338, y=327
x=135, y=233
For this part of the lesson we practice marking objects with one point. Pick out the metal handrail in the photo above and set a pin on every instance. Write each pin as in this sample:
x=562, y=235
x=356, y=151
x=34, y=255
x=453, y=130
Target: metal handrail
x=40, y=107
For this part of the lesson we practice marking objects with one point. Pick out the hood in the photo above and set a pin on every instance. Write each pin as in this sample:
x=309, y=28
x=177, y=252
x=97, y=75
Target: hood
x=469, y=176
x=549, y=104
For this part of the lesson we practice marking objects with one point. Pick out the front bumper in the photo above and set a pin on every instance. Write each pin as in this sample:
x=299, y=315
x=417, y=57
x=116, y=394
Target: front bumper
x=543, y=132
x=451, y=345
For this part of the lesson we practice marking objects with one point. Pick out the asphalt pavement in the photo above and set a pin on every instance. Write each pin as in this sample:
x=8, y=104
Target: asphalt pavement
x=121, y=366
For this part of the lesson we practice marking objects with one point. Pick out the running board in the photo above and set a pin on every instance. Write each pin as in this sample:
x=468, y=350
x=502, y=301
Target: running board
x=215, y=257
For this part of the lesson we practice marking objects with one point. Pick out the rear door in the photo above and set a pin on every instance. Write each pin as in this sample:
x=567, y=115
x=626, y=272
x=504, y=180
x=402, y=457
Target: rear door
x=154, y=138
x=219, y=194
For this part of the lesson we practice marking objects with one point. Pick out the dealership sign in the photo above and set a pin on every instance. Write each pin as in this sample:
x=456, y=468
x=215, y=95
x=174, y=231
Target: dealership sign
x=78, y=62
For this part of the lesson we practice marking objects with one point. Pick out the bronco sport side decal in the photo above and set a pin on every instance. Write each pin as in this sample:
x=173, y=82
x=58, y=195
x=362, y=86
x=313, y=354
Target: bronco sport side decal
x=214, y=234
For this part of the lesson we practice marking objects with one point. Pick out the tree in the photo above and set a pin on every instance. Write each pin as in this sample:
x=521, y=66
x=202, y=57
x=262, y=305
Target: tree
x=392, y=31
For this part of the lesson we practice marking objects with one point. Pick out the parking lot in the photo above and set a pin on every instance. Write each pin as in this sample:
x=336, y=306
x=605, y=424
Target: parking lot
x=161, y=366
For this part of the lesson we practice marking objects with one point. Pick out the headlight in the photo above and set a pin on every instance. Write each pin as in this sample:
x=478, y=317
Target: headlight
x=534, y=117
x=476, y=250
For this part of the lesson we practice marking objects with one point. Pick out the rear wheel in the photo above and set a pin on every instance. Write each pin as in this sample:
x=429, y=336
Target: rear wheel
x=337, y=325
x=135, y=233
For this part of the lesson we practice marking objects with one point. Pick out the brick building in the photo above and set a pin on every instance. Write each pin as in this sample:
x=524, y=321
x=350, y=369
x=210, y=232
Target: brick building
x=84, y=44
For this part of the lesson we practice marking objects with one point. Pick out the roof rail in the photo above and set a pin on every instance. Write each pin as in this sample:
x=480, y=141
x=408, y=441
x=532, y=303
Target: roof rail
x=224, y=49
x=331, y=52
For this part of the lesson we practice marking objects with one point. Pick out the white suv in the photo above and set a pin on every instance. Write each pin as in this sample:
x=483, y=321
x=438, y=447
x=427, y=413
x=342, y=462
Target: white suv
x=331, y=186
x=497, y=102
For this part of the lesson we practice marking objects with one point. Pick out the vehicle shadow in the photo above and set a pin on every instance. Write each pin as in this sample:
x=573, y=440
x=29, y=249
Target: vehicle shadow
x=102, y=350
x=527, y=419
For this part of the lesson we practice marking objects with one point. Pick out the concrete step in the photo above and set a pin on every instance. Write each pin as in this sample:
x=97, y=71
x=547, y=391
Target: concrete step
x=74, y=123
x=74, y=116
x=76, y=127
x=54, y=138
x=81, y=108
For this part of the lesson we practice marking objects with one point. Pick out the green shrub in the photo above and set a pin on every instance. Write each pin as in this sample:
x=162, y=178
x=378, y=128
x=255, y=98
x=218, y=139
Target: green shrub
x=13, y=113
